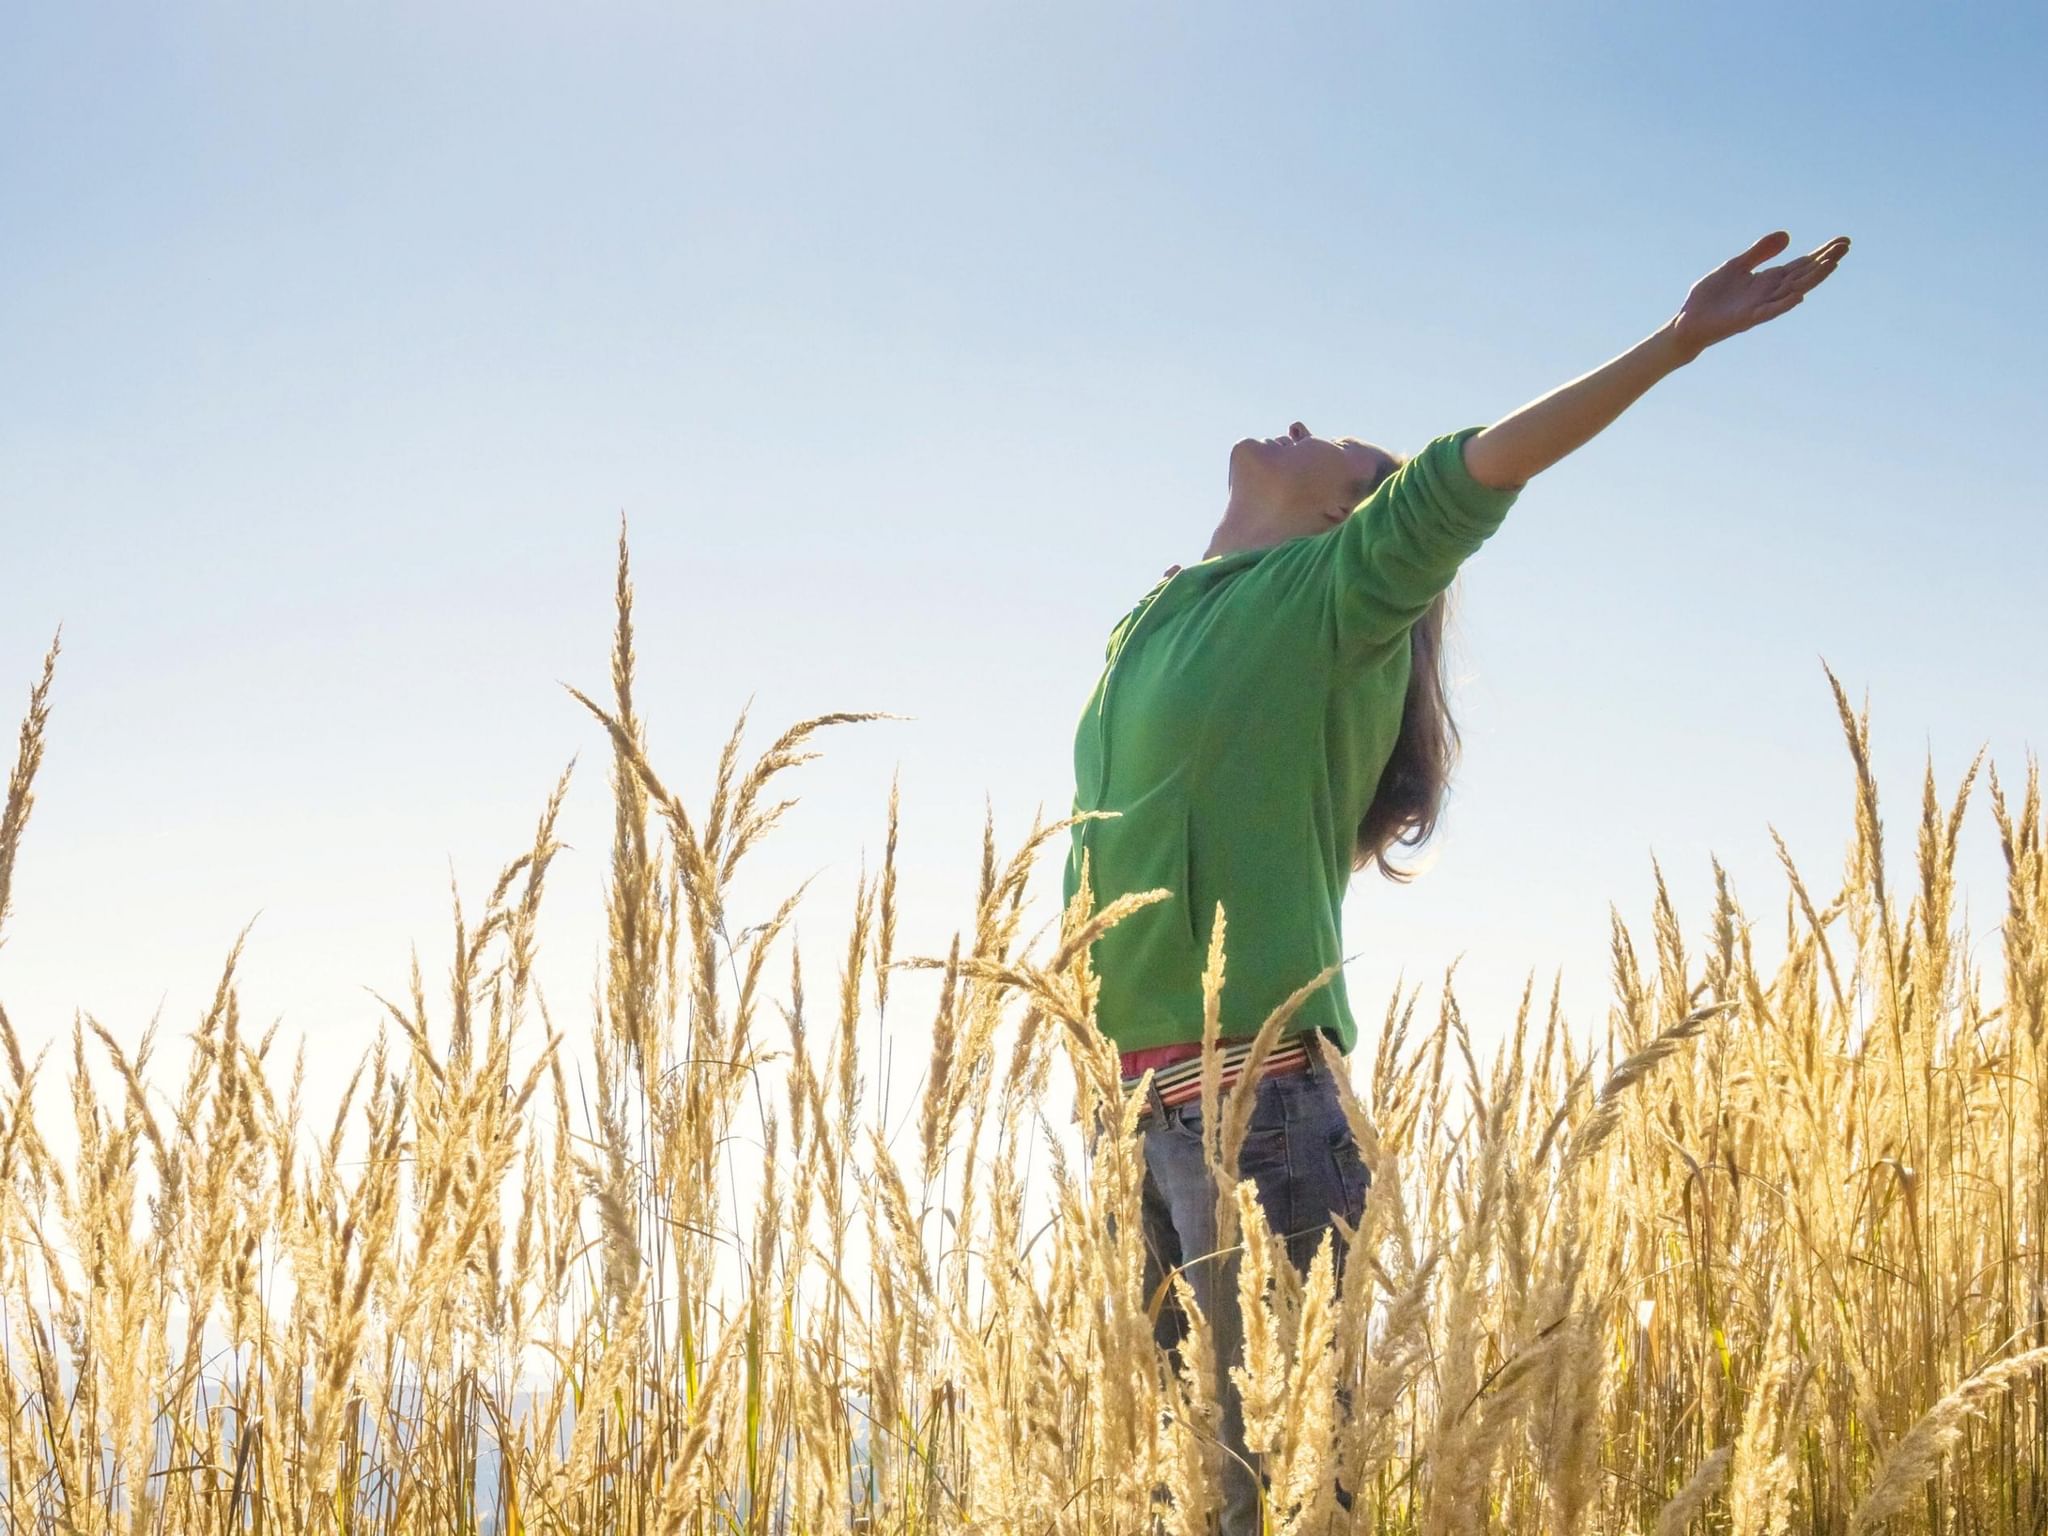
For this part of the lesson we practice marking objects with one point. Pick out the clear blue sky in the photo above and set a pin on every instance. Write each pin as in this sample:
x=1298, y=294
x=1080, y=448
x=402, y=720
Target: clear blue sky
x=912, y=340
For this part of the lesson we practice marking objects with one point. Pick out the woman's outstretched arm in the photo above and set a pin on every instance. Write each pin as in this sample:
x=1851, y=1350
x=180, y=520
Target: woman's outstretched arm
x=1728, y=300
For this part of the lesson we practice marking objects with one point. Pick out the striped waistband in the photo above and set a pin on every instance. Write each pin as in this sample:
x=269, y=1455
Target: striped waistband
x=1181, y=1081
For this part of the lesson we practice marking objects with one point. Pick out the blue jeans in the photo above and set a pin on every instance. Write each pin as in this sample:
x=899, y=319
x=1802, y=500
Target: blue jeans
x=1301, y=1159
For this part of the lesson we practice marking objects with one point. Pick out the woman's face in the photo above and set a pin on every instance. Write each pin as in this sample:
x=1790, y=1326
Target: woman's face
x=1304, y=483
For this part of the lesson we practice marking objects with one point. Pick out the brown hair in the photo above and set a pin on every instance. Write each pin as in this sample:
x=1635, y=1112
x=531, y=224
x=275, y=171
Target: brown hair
x=1410, y=795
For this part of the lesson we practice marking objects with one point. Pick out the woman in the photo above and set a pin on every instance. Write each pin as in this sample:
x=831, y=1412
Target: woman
x=1270, y=720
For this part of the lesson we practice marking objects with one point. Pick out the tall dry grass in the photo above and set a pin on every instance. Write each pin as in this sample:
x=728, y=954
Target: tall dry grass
x=1764, y=1255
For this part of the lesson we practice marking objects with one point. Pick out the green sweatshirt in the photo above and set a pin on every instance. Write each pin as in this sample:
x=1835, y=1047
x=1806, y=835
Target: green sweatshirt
x=1245, y=710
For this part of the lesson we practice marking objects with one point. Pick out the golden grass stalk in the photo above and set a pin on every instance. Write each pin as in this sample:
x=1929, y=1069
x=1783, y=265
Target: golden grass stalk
x=1716, y=1263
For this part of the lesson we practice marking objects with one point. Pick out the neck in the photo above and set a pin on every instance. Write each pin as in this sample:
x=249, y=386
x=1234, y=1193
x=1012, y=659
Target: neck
x=1245, y=525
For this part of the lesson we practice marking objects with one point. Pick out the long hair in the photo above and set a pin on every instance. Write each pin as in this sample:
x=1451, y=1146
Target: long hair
x=1410, y=794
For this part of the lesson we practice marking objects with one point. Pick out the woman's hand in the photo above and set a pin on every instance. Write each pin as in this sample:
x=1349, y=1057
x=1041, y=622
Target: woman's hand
x=1735, y=296
x=1732, y=297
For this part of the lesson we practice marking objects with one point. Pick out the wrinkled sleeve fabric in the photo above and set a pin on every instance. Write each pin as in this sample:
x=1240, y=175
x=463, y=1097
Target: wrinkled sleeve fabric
x=1399, y=549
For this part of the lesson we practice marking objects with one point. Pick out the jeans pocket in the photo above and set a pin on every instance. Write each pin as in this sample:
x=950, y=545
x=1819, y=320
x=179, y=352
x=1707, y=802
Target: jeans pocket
x=1353, y=1177
x=1266, y=1163
x=1265, y=1145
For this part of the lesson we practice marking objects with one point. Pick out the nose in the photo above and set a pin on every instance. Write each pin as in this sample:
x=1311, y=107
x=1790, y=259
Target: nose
x=1297, y=431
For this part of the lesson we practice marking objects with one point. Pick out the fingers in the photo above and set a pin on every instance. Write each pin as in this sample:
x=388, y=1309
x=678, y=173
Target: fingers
x=1763, y=250
x=1823, y=261
x=1795, y=277
x=1808, y=270
x=1776, y=307
x=1825, y=255
x=1772, y=292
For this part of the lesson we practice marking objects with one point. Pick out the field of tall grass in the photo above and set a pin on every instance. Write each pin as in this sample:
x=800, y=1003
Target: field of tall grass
x=1763, y=1253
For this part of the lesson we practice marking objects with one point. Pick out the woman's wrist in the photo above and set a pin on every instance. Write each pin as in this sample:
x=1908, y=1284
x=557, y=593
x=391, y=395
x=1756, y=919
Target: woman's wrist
x=1674, y=345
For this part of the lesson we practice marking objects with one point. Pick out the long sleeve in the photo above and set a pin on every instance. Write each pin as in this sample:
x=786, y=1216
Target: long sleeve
x=1388, y=561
